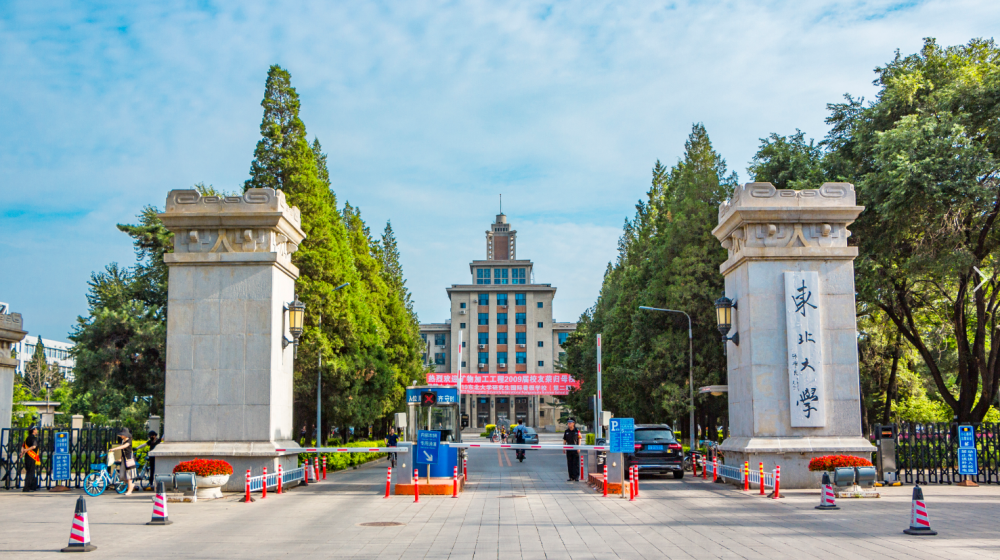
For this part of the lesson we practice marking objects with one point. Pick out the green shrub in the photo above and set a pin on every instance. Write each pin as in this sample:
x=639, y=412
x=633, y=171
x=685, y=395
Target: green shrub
x=591, y=439
x=341, y=461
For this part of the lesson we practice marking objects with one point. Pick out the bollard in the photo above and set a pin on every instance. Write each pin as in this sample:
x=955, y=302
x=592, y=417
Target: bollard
x=263, y=485
x=581, y=468
x=305, y=472
x=324, y=467
x=388, y=480
x=746, y=476
x=454, y=481
x=636, y=481
x=465, y=468
x=248, y=499
x=279, y=478
x=762, y=479
x=605, y=479
x=704, y=468
x=694, y=465
x=631, y=484
x=316, y=467
x=715, y=469
x=416, y=486
x=777, y=482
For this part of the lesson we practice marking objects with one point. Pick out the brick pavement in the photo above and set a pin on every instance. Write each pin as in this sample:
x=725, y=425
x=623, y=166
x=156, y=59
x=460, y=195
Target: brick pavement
x=518, y=511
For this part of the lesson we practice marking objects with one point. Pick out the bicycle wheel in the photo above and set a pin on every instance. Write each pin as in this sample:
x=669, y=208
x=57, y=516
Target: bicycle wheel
x=94, y=484
x=119, y=485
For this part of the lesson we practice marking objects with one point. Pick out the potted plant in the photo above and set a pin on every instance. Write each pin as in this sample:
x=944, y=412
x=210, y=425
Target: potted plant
x=210, y=474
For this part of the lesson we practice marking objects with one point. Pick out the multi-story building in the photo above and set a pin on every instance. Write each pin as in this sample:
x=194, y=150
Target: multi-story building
x=508, y=335
x=57, y=354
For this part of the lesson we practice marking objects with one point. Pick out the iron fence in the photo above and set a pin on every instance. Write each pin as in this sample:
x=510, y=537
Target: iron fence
x=928, y=453
x=85, y=447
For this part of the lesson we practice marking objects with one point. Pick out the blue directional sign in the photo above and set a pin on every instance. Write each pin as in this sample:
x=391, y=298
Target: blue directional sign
x=622, y=432
x=61, y=458
x=428, y=443
x=445, y=395
x=968, y=461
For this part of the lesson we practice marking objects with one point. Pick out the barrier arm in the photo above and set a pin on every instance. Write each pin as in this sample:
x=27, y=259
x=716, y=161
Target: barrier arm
x=344, y=450
x=528, y=446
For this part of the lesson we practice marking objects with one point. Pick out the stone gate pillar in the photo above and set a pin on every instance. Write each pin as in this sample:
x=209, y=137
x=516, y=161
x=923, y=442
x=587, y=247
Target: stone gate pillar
x=229, y=377
x=794, y=390
x=11, y=332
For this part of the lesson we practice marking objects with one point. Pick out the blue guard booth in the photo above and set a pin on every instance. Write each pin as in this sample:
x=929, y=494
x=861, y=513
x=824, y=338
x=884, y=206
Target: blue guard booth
x=434, y=409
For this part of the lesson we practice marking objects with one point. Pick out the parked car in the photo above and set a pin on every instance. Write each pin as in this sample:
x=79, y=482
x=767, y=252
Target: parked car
x=530, y=435
x=656, y=451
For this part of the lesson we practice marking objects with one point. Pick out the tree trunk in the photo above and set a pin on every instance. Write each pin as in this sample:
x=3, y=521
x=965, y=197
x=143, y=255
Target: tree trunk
x=890, y=390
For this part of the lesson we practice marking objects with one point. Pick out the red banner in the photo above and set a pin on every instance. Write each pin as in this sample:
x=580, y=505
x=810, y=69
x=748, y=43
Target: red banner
x=509, y=384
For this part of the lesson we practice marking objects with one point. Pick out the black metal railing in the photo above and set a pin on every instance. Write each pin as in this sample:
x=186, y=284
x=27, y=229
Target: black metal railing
x=928, y=453
x=85, y=447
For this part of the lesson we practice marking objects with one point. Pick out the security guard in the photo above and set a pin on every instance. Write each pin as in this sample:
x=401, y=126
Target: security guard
x=572, y=437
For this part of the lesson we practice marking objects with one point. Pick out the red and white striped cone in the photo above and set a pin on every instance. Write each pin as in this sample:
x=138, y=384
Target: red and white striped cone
x=388, y=480
x=827, y=500
x=920, y=524
x=79, y=534
x=605, y=480
x=454, y=481
x=160, y=506
x=416, y=486
x=279, y=479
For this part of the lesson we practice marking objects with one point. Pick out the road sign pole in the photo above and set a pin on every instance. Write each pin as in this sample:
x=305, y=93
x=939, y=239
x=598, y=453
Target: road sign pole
x=597, y=412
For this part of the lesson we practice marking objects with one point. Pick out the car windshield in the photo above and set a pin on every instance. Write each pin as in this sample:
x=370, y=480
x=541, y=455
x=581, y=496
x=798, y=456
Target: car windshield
x=529, y=430
x=653, y=435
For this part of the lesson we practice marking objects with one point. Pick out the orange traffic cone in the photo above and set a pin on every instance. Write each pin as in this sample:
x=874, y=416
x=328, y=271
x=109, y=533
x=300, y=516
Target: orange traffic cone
x=827, y=499
x=79, y=535
x=160, y=506
x=919, y=523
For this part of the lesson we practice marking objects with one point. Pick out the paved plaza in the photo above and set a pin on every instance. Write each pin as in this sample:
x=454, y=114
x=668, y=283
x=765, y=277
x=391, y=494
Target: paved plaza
x=511, y=510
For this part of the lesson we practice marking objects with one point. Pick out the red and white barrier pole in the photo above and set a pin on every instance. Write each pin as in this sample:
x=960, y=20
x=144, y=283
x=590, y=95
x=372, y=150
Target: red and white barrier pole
x=636, y=481
x=777, y=481
x=454, y=481
x=715, y=469
x=248, y=499
x=388, y=480
x=704, y=468
x=762, y=479
x=631, y=483
x=746, y=476
x=324, y=467
x=581, y=468
x=416, y=486
x=605, y=480
x=263, y=485
x=279, y=478
x=465, y=468
x=316, y=467
x=694, y=465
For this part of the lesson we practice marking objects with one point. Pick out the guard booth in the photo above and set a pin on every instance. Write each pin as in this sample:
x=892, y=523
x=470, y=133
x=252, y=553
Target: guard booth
x=435, y=408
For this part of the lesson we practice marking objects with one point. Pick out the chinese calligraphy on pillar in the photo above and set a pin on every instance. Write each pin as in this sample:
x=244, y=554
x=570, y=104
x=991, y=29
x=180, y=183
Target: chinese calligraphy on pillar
x=803, y=307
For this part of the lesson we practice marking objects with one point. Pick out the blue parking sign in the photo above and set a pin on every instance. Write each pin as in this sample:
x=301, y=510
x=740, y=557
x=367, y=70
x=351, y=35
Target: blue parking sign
x=622, y=432
x=428, y=443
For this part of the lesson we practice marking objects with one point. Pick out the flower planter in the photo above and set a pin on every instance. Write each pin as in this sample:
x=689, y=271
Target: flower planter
x=210, y=487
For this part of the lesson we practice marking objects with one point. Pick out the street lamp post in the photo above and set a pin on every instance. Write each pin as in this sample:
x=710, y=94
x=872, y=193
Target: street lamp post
x=690, y=365
x=319, y=380
x=47, y=402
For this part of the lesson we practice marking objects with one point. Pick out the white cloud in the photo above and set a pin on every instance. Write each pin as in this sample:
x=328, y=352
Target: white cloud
x=428, y=110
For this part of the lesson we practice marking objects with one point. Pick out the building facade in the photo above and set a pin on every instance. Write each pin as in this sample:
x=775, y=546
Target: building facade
x=57, y=354
x=505, y=323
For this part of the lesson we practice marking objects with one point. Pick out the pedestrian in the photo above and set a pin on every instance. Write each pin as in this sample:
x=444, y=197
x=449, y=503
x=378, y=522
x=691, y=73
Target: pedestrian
x=302, y=434
x=30, y=448
x=126, y=469
x=151, y=444
x=572, y=437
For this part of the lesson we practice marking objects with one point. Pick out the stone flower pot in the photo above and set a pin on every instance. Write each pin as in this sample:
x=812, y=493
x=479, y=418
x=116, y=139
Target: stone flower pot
x=210, y=487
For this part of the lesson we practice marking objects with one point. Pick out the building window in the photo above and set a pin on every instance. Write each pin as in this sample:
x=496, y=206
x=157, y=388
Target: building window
x=423, y=336
x=562, y=338
x=425, y=357
x=521, y=318
x=521, y=357
x=463, y=344
x=463, y=364
x=499, y=275
x=517, y=276
x=541, y=363
x=541, y=400
x=484, y=338
x=482, y=276
x=502, y=299
x=541, y=305
x=520, y=299
x=539, y=324
x=541, y=343
x=461, y=325
x=501, y=357
x=501, y=318
x=521, y=337
x=484, y=357
x=541, y=414
x=439, y=358
x=484, y=318
x=461, y=305
x=501, y=338
x=439, y=340
x=484, y=299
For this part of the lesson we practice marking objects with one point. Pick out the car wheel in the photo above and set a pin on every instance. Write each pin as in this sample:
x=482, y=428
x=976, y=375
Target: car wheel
x=678, y=474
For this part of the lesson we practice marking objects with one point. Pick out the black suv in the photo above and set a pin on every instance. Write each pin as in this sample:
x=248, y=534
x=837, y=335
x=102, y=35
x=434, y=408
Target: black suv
x=656, y=451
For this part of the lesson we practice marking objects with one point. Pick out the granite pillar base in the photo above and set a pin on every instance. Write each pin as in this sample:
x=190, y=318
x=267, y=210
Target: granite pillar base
x=241, y=455
x=793, y=454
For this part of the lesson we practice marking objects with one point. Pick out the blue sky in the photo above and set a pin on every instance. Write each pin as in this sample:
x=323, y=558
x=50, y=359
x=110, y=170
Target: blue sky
x=428, y=111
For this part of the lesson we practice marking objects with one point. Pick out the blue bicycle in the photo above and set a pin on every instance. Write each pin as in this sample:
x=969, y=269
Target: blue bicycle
x=102, y=476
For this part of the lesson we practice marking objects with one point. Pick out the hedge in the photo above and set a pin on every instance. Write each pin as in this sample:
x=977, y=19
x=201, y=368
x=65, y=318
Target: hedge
x=341, y=461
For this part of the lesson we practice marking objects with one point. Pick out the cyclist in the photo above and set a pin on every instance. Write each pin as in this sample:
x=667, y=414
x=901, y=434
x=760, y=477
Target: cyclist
x=392, y=440
x=503, y=434
x=519, y=438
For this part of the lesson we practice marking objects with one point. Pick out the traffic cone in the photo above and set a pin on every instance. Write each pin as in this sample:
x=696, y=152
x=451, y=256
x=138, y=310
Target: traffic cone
x=79, y=535
x=160, y=506
x=919, y=523
x=827, y=499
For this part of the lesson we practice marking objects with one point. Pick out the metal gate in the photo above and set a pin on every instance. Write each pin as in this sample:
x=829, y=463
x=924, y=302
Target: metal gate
x=85, y=447
x=928, y=453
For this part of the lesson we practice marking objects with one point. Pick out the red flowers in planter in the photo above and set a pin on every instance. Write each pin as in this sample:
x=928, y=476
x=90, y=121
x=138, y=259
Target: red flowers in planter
x=831, y=462
x=205, y=467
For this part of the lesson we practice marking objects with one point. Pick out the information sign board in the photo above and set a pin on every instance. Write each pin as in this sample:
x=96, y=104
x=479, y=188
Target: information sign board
x=428, y=443
x=62, y=442
x=622, y=434
x=61, y=458
x=966, y=436
x=968, y=462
